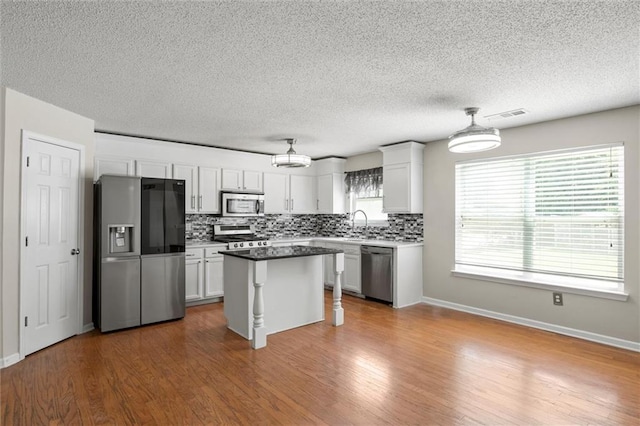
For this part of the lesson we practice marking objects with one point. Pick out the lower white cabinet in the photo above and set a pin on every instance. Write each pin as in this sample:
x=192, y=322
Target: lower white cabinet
x=213, y=273
x=204, y=274
x=291, y=243
x=329, y=271
x=194, y=274
x=351, y=274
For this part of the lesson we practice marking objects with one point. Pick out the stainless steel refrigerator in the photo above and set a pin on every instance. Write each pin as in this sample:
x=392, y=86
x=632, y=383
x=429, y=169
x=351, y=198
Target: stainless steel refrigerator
x=139, y=268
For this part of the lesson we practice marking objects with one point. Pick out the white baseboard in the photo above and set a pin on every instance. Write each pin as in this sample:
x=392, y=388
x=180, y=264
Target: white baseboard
x=87, y=328
x=10, y=360
x=580, y=334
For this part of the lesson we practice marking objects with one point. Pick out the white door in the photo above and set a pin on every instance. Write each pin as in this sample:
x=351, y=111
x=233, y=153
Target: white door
x=49, y=283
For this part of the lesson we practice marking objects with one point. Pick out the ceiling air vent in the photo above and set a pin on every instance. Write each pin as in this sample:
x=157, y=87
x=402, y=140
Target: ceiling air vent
x=507, y=114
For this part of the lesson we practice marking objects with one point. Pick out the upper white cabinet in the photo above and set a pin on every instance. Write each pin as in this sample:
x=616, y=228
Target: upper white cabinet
x=303, y=194
x=330, y=192
x=112, y=166
x=153, y=169
x=402, y=171
x=242, y=180
x=202, y=188
x=285, y=193
x=276, y=193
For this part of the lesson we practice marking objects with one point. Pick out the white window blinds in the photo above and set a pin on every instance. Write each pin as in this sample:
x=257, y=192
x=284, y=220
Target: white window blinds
x=559, y=213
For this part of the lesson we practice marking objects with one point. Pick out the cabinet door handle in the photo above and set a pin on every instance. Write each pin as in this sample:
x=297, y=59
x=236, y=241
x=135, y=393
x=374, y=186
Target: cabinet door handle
x=193, y=201
x=200, y=202
x=292, y=204
x=317, y=204
x=286, y=204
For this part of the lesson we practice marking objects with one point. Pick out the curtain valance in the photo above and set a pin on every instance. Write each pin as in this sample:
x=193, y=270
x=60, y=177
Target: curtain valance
x=364, y=183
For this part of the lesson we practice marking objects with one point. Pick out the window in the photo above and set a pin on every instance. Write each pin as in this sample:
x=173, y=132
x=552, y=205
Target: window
x=557, y=215
x=364, y=188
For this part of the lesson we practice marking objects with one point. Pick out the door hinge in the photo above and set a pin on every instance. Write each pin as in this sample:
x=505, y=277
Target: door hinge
x=26, y=321
x=27, y=161
x=26, y=241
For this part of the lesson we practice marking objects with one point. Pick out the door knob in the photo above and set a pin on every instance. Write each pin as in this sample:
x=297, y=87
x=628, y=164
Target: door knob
x=75, y=251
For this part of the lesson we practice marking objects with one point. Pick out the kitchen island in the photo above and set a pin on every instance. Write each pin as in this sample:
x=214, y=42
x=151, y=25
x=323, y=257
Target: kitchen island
x=273, y=289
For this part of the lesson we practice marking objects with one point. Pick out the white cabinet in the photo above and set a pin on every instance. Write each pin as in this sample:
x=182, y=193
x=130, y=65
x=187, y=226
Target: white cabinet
x=289, y=193
x=242, y=180
x=276, y=193
x=402, y=174
x=213, y=273
x=112, y=166
x=329, y=271
x=397, y=191
x=303, y=194
x=407, y=276
x=291, y=243
x=330, y=194
x=351, y=274
x=202, y=188
x=194, y=274
x=153, y=169
x=204, y=274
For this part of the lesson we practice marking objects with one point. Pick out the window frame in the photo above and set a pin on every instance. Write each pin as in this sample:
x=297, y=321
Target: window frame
x=359, y=220
x=596, y=287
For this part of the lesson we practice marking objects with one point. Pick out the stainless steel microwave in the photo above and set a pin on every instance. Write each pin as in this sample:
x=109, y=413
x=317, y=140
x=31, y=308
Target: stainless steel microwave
x=242, y=204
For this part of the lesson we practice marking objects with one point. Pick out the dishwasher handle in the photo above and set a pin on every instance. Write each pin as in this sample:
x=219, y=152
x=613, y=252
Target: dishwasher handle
x=376, y=250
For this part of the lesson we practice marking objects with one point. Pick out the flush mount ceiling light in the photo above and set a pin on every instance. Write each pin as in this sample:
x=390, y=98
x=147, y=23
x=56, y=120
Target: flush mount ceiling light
x=474, y=138
x=290, y=159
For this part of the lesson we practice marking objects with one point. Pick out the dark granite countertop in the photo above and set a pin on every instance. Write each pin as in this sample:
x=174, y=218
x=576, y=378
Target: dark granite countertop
x=270, y=253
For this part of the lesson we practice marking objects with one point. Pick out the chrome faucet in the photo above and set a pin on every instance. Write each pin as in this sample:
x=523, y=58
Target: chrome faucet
x=353, y=219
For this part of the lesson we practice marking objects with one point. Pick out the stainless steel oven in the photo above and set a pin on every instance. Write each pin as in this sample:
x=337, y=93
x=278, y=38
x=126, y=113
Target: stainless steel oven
x=242, y=204
x=238, y=237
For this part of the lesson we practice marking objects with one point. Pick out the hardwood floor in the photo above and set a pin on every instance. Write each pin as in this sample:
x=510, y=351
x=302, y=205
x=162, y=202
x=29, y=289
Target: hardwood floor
x=417, y=365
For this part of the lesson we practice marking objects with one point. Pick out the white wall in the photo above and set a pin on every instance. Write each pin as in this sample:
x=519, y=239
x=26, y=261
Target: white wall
x=615, y=319
x=370, y=160
x=24, y=112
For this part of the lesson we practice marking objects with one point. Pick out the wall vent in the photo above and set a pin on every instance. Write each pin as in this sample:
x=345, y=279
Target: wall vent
x=507, y=114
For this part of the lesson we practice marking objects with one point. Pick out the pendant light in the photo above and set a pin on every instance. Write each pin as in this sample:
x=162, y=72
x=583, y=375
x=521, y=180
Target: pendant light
x=290, y=159
x=474, y=138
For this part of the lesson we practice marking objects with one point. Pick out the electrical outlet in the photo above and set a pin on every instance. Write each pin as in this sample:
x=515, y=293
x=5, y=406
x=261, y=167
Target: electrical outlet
x=557, y=299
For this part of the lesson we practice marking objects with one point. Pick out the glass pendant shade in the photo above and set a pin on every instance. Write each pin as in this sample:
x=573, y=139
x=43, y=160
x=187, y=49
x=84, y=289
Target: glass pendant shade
x=474, y=138
x=290, y=159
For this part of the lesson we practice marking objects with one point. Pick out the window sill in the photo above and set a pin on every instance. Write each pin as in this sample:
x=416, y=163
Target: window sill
x=559, y=283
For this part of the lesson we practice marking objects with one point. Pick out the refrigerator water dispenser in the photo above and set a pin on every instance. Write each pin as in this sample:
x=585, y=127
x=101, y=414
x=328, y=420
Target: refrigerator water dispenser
x=121, y=239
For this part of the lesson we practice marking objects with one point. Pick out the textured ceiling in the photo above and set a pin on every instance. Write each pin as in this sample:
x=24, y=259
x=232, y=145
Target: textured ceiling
x=342, y=77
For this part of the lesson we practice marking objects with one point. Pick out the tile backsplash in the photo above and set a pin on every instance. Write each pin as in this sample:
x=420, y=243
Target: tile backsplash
x=402, y=227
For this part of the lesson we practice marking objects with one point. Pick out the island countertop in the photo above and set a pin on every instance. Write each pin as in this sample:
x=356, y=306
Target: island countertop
x=270, y=253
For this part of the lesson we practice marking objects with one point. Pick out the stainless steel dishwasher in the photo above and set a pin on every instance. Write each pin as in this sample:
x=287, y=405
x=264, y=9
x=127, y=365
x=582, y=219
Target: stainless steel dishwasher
x=376, y=265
